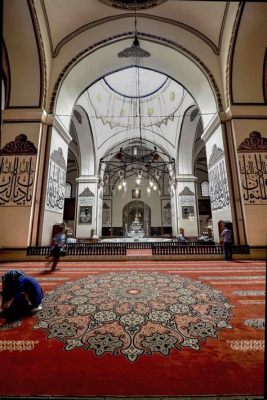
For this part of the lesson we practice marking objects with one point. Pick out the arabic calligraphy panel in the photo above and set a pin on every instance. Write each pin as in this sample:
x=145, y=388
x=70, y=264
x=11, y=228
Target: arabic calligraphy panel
x=219, y=193
x=17, y=180
x=55, y=188
x=253, y=171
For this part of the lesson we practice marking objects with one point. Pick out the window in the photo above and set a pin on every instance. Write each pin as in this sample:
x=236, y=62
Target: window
x=68, y=190
x=205, y=190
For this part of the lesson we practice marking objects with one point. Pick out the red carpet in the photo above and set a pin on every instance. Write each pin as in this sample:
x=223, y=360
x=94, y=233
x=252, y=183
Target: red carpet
x=139, y=329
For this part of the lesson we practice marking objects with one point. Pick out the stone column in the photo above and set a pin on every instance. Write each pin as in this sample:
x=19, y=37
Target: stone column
x=54, y=180
x=174, y=209
x=22, y=153
x=87, y=207
x=218, y=177
x=247, y=142
x=187, y=204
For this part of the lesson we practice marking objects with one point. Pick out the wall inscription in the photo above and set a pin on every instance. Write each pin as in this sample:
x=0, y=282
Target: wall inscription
x=186, y=197
x=252, y=157
x=87, y=197
x=56, y=181
x=219, y=192
x=17, y=170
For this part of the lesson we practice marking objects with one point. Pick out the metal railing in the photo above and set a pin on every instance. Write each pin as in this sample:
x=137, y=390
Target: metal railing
x=158, y=248
x=197, y=249
x=84, y=249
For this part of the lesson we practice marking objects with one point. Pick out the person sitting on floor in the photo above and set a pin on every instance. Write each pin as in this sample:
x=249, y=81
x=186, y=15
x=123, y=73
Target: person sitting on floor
x=21, y=295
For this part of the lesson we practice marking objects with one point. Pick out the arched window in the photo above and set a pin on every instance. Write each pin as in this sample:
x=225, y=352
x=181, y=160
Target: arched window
x=205, y=190
x=68, y=189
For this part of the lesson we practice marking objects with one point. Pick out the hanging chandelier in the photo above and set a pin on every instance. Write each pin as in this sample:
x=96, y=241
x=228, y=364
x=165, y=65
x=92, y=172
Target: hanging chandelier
x=135, y=51
x=147, y=166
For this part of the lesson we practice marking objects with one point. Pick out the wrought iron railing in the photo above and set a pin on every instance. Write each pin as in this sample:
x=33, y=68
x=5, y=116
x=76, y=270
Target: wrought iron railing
x=84, y=249
x=176, y=249
x=158, y=248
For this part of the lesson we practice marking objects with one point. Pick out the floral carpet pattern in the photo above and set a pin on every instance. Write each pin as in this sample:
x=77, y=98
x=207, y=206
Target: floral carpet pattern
x=134, y=313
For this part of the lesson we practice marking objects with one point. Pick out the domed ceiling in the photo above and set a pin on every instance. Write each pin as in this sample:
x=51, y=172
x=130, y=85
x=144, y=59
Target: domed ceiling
x=122, y=96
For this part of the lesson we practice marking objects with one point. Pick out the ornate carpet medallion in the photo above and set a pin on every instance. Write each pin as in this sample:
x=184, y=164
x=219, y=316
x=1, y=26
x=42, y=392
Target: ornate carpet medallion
x=134, y=313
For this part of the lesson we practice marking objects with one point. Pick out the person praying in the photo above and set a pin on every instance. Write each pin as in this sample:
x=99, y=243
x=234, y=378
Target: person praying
x=21, y=295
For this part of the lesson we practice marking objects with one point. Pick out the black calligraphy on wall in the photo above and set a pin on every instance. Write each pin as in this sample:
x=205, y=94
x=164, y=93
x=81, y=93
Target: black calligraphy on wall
x=56, y=182
x=252, y=157
x=219, y=193
x=17, y=171
x=218, y=184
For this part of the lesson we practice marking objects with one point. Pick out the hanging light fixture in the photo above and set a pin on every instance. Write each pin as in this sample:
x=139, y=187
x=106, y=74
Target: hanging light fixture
x=137, y=158
x=135, y=51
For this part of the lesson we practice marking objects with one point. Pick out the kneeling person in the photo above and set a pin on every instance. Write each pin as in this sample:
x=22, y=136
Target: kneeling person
x=21, y=295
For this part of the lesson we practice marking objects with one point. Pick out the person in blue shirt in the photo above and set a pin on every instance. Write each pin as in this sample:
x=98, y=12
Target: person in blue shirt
x=21, y=295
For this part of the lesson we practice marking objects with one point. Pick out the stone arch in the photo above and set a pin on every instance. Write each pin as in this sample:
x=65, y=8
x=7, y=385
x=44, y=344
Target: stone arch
x=26, y=57
x=246, y=74
x=174, y=60
x=86, y=143
x=185, y=159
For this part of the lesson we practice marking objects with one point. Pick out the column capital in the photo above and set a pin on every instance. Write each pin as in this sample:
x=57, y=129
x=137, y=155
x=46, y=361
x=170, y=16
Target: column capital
x=213, y=125
x=186, y=178
x=87, y=179
x=24, y=115
x=62, y=131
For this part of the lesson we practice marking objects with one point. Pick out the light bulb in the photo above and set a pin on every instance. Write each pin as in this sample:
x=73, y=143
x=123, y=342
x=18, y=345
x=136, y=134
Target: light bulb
x=124, y=184
x=119, y=186
x=148, y=189
x=151, y=183
x=138, y=180
x=154, y=187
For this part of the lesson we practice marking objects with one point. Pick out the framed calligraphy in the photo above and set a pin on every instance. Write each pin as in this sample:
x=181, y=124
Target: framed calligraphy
x=85, y=215
x=252, y=158
x=17, y=172
x=55, y=193
x=219, y=192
